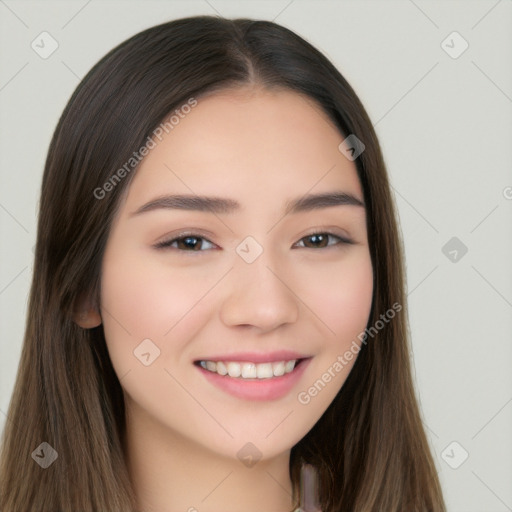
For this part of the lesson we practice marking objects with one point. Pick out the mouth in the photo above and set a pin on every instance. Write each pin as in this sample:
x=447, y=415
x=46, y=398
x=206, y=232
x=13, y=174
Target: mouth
x=250, y=370
x=251, y=380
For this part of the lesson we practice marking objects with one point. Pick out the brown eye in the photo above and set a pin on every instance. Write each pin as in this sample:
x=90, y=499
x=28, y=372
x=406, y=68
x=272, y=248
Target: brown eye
x=189, y=243
x=322, y=240
x=315, y=241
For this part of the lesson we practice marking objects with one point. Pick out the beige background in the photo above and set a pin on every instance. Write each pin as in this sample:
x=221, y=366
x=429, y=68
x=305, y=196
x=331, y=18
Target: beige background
x=446, y=131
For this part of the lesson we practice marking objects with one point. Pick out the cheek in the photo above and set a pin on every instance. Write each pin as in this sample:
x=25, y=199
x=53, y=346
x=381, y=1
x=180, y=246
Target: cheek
x=343, y=307
x=143, y=301
x=342, y=299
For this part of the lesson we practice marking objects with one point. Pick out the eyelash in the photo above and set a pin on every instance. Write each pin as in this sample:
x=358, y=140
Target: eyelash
x=166, y=244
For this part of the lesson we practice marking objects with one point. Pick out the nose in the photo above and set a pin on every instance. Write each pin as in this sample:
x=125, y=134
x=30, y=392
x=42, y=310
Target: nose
x=259, y=295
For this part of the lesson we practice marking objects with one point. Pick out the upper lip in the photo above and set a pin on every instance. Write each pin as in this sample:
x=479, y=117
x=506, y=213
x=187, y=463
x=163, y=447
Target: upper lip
x=256, y=357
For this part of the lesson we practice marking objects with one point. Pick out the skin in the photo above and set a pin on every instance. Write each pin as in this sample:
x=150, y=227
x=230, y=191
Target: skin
x=260, y=148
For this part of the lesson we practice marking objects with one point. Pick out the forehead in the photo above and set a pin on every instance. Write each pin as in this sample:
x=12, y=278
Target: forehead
x=247, y=143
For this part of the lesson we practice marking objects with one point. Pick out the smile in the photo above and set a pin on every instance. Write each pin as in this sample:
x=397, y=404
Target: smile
x=254, y=381
x=245, y=370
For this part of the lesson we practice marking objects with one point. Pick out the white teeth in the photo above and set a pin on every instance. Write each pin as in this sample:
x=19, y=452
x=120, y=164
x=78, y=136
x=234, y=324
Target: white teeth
x=221, y=368
x=234, y=369
x=264, y=371
x=250, y=370
x=211, y=365
x=289, y=366
x=278, y=368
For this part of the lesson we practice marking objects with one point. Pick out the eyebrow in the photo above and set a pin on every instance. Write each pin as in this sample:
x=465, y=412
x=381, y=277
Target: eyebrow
x=219, y=205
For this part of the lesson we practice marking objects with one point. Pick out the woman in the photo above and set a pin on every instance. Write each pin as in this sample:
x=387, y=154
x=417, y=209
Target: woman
x=218, y=293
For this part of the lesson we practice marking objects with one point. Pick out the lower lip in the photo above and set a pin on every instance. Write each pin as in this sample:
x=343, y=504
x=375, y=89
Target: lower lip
x=257, y=389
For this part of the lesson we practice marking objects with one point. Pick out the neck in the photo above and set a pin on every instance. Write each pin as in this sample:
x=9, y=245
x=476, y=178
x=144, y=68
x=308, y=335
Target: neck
x=171, y=473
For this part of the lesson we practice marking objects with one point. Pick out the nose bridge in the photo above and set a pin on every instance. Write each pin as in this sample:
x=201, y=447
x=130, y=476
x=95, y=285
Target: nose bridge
x=258, y=293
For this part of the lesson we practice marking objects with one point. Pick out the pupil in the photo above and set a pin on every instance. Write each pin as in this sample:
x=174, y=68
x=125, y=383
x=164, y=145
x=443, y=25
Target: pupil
x=191, y=242
x=318, y=240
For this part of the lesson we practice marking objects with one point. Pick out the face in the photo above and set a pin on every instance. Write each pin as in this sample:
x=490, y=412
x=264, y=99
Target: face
x=264, y=280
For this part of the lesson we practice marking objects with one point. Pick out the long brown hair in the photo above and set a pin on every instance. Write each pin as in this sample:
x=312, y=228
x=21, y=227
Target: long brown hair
x=369, y=447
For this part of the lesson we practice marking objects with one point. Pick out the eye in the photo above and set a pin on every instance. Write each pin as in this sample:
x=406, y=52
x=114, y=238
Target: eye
x=196, y=243
x=189, y=243
x=322, y=240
